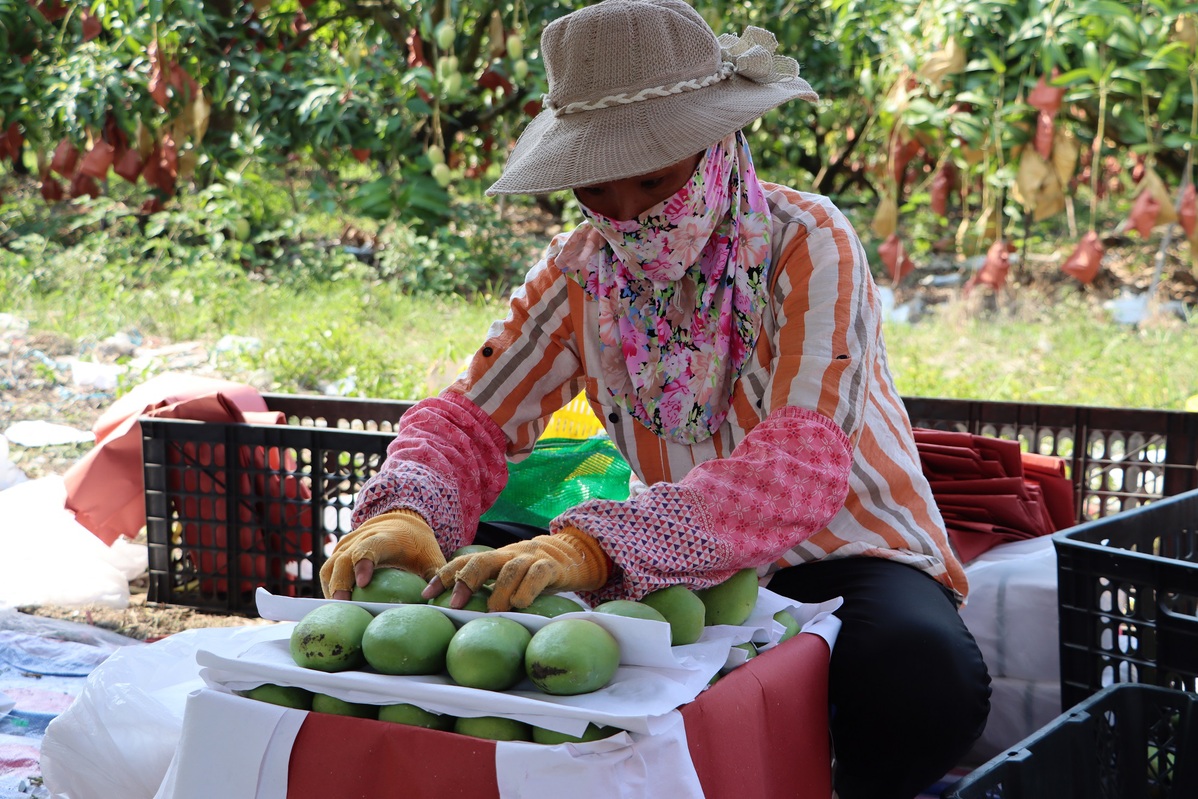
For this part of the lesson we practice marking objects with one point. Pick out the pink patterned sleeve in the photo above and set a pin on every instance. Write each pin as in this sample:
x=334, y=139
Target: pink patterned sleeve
x=446, y=463
x=783, y=483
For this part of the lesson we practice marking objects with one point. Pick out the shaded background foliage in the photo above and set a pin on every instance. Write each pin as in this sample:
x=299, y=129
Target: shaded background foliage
x=399, y=109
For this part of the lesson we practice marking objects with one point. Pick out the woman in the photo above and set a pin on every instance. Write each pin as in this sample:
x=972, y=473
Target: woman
x=727, y=332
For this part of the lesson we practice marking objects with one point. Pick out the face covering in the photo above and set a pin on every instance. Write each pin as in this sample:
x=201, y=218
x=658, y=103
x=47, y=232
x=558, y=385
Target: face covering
x=681, y=290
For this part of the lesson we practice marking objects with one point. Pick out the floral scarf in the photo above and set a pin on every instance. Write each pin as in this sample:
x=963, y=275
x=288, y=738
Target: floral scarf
x=681, y=290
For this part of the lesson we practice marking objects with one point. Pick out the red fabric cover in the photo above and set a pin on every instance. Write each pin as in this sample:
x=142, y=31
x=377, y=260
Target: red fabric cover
x=762, y=730
x=105, y=488
x=348, y=758
x=990, y=492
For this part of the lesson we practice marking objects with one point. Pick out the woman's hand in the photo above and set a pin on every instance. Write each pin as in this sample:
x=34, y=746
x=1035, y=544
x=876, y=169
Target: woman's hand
x=400, y=539
x=569, y=561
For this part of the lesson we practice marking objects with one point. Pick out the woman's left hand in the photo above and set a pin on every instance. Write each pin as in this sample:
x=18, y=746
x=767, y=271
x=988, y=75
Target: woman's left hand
x=568, y=561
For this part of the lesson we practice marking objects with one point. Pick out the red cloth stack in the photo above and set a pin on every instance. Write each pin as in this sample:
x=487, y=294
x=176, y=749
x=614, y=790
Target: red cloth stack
x=990, y=492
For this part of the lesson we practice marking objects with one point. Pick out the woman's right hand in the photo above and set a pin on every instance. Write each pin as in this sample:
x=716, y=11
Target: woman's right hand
x=400, y=539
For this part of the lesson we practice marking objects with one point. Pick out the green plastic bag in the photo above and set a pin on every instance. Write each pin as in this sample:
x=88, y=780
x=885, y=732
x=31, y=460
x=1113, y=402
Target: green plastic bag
x=559, y=474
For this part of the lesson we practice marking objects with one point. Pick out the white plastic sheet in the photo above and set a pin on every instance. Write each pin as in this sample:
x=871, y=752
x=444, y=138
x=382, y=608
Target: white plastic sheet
x=47, y=558
x=118, y=737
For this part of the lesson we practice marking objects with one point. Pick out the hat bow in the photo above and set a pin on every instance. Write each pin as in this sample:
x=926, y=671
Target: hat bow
x=752, y=56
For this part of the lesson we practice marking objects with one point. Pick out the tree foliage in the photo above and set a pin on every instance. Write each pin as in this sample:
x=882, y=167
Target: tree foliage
x=924, y=103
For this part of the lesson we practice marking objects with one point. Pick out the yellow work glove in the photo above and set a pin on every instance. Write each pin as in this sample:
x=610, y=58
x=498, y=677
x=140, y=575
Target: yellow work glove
x=569, y=561
x=400, y=539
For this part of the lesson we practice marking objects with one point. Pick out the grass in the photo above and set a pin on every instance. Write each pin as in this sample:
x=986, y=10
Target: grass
x=1066, y=352
x=323, y=320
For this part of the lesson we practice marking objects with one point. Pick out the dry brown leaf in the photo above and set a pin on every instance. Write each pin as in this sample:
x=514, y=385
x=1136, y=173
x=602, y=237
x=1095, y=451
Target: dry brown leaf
x=949, y=60
x=145, y=140
x=497, y=37
x=885, y=217
x=201, y=113
x=1152, y=182
x=187, y=163
x=1186, y=31
x=1050, y=199
x=1033, y=172
x=1064, y=155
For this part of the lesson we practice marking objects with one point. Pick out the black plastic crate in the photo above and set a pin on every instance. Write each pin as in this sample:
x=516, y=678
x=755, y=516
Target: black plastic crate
x=288, y=487
x=1117, y=458
x=1127, y=589
x=230, y=507
x=1125, y=742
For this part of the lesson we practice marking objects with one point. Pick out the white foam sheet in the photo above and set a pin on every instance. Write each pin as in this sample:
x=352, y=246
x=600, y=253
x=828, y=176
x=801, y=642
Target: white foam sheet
x=1012, y=610
x=653, y=678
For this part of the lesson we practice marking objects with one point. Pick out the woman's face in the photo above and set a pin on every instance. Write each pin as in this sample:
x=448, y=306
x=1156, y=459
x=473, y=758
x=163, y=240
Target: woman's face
x=628, y=198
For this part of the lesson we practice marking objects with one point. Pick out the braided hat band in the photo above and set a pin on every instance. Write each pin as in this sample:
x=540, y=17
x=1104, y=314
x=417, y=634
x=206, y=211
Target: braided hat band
x=638, y=85
x=751, y=55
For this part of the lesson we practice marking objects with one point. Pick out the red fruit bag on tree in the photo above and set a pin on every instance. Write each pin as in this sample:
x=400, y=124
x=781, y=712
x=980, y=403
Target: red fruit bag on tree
x=65, y=158
x=942, y=187
x=97, y=160
x=129, y=165
x=1045, y=132
x=1046, y=98
x=894, y=256
x=51, y=189
x=82, y=184
x=1083, y=264
x=14, y=141
x=1187, y=212
x=91, y=25
x=995, y=268
x=1144, y=213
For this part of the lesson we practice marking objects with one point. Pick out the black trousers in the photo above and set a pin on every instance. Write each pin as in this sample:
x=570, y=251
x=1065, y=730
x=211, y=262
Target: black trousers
x=909, y=691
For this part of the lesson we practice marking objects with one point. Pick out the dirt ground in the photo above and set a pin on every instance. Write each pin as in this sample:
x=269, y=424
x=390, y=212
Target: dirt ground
x=31, y=393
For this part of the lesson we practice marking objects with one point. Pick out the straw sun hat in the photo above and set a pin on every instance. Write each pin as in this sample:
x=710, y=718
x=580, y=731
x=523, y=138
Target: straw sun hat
x=637, y=85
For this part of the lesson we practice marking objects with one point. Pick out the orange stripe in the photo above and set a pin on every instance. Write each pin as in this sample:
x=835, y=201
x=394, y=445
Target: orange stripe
x=830, y=394
x=795, y=309
x=650, y=455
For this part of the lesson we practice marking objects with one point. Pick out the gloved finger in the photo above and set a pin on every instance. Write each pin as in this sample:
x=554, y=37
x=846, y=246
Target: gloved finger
x=340, y=575
x=363, y=572
x=478, y=568
x=508, y=581
x=536, y=580
x=446, y=576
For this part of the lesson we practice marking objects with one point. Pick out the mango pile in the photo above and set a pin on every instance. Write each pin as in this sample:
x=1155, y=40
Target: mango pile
x=565, y=657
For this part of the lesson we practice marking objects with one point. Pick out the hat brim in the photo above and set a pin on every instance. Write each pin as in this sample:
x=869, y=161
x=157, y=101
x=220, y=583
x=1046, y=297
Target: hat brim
x=622, y=141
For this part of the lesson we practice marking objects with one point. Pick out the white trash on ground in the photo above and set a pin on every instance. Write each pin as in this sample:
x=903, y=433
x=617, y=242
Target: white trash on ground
x=46, y=434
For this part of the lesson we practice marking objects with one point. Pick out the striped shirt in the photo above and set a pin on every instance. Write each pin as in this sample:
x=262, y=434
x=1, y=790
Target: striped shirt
x=816, y=459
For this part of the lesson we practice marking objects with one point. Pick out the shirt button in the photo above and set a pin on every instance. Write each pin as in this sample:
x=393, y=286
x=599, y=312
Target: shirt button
x=488, y=352
x=613, y=417
x=758, y=403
